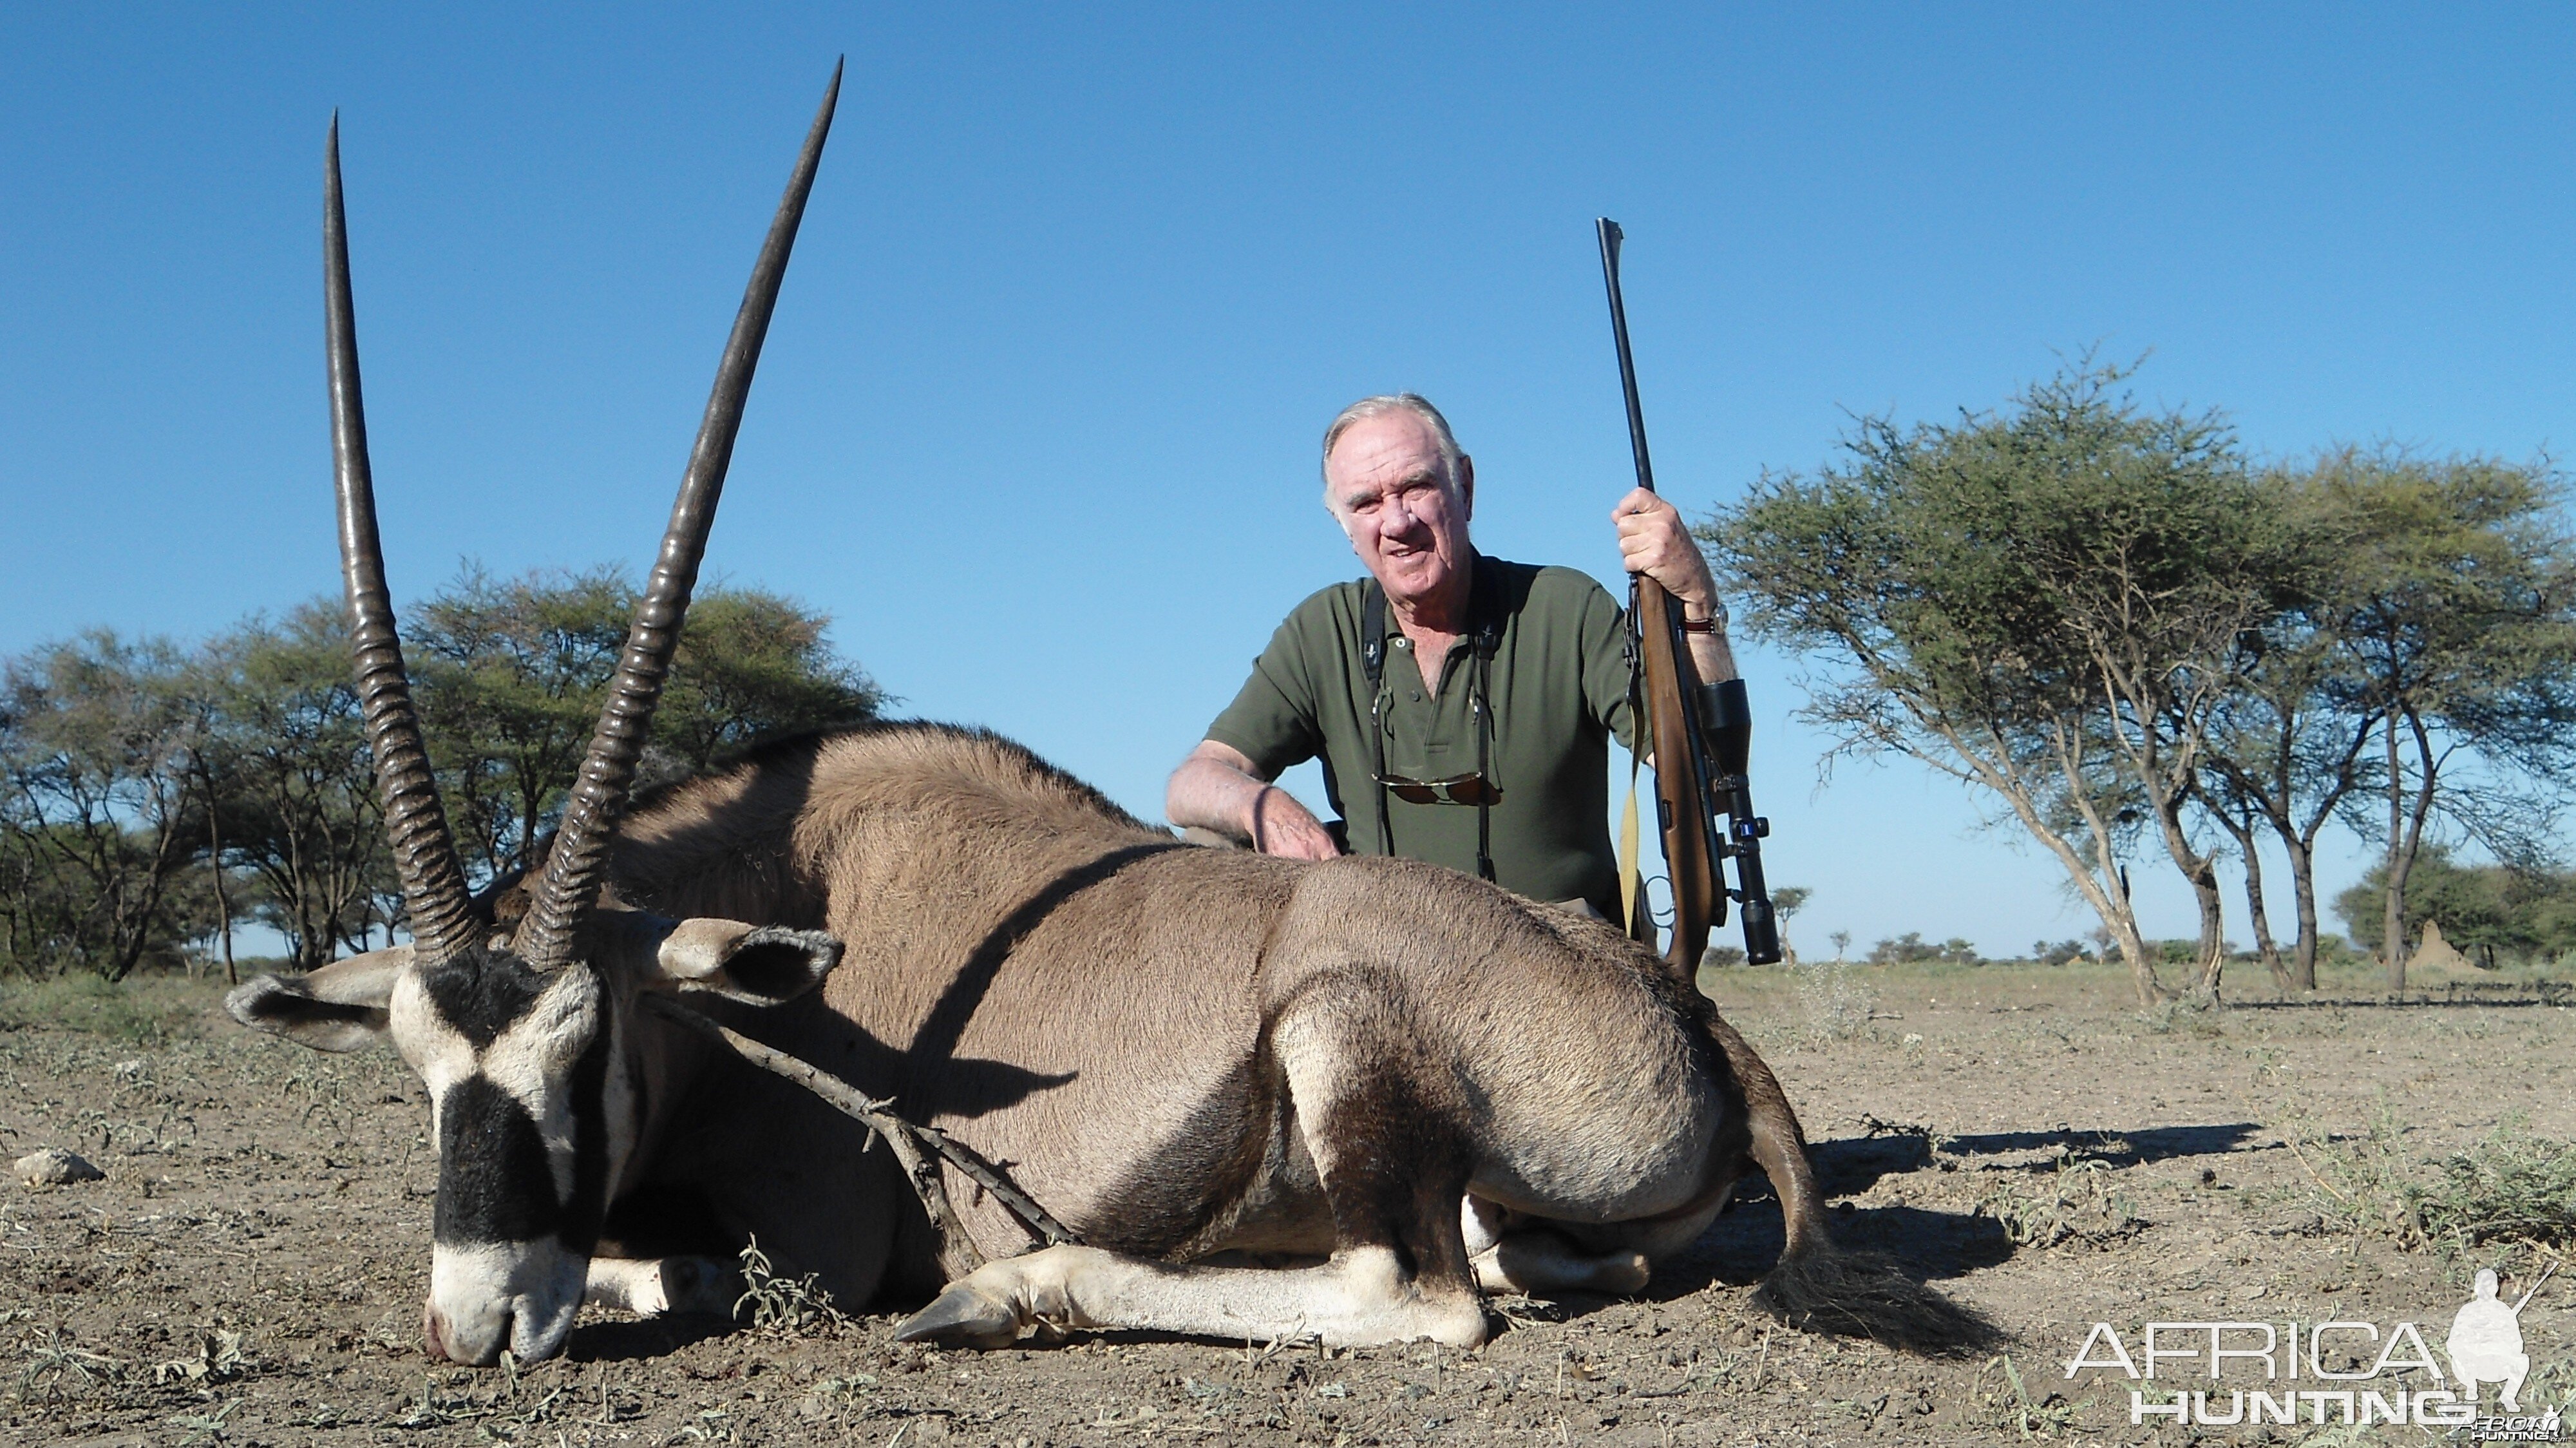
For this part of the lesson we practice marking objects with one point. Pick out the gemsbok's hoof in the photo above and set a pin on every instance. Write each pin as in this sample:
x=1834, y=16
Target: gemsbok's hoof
x=962, y=1317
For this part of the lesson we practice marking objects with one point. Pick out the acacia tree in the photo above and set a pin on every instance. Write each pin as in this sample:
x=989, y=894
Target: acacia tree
x=126, y=770
x=511, y=675
x=751, y=666
x=2484, y=910
x=95, y=801
x=2288, y=746
x=292, y=794
x=2045, y=602
x=2455, y=616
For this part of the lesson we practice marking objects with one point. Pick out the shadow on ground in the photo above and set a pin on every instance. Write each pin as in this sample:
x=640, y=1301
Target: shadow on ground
x=1744, y=1242
x=1852, y=1165
x=651, y=1337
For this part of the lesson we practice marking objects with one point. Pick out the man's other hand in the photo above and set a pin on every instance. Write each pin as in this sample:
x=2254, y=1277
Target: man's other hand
x=1282, y=826
x=1654, y=542
x=1216, y=789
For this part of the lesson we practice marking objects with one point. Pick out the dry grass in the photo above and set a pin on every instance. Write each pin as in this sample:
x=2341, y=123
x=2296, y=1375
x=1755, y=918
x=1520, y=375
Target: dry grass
x=1836, y=1001
x=2508, y=1186
x=148, y=1010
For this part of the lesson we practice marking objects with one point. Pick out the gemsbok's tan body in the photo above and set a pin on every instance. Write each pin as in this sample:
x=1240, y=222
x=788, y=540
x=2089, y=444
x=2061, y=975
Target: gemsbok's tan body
x=1181, y=1052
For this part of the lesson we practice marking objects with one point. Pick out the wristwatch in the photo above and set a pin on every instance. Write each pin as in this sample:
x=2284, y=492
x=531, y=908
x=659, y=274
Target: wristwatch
x=1715, y=623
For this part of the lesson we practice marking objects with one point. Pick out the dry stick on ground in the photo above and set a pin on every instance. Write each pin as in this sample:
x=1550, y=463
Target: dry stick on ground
x=2288, y=1140
x=958, y=1253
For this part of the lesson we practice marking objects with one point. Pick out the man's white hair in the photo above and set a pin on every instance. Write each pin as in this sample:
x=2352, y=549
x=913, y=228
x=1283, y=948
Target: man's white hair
x=1378, y=406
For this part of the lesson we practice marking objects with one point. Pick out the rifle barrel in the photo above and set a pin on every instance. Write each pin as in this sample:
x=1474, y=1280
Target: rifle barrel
x=1611, y=236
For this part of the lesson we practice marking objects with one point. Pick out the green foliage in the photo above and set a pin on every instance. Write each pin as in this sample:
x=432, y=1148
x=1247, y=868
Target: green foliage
x=2108, y=619
x=2508, y=1186
x=754, y=666
x=2452, y=590
x=2452, y=614
x=2490, y=912
x=2077, y=1200
x=141, y=1010
x=790, y=1306
x=512, y=675
x=2043, y=602
x=95, y=795
x=286, y=766
x=150, y=795
x=1910, y=947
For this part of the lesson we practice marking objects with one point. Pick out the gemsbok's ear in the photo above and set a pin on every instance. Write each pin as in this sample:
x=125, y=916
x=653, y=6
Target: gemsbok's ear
x=340, y=1007
x=761, y=965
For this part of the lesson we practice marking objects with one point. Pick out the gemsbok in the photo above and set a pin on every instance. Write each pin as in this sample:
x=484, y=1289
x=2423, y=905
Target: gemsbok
x=1272, y=1099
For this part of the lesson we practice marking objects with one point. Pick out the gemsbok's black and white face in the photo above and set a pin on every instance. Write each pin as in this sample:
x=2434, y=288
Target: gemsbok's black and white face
x=535, y=1107
x=529, y=1047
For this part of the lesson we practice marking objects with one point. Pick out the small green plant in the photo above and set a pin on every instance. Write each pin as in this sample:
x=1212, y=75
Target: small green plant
x=2508, y=1186
x=795, y=1306
x=2051, y=1416
x=2078, y=1200
x=57, y=1367
x=2364, y=1181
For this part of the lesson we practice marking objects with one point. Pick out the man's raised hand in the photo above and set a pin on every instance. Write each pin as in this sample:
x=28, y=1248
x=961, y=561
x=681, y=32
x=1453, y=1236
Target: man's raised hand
x=1653, y=541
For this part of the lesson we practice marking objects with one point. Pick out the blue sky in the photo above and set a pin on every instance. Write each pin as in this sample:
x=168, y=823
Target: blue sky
x=1080, y=286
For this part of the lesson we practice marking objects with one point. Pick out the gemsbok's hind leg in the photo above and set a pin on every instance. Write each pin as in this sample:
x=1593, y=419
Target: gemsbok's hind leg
x=1514, y=1253
x=1390, y=1151
x=649, y=1287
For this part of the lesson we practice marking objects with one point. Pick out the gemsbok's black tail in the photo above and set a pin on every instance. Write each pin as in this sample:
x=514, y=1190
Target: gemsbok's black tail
x=1818, y=1285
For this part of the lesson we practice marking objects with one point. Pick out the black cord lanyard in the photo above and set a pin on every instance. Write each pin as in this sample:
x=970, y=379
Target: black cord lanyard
x=1487, y=627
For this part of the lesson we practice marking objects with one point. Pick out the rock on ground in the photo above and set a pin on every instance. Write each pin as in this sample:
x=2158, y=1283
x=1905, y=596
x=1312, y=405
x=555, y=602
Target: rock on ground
x=54, y=1167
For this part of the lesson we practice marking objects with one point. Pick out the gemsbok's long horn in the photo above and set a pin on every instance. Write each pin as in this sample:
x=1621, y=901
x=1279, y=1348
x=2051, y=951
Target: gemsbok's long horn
x=433, y=882
x=580, y=856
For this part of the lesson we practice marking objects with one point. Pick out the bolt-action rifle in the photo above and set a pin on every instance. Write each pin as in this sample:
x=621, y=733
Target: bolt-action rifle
x=1702, y=734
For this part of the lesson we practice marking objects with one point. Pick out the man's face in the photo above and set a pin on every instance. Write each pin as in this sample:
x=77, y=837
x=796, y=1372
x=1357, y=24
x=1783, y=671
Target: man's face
x=1384, y=474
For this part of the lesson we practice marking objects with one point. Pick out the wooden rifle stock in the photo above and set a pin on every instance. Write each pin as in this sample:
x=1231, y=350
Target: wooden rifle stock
x=1681, y=793
x=1699, y=733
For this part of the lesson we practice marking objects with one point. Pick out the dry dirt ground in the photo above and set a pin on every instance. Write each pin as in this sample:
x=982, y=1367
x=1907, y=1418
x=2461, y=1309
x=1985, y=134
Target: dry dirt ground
x=251, y=1269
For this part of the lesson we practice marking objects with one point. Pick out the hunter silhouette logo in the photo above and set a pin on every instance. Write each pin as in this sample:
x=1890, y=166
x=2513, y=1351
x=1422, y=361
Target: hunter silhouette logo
x=2485, y=1345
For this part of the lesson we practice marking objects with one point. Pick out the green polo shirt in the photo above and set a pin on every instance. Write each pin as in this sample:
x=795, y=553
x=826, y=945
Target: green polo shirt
x=1560, y=690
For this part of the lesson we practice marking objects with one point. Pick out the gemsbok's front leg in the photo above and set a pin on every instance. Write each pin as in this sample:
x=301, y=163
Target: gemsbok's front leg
x=1392, y=1155
x=1359, y=1298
